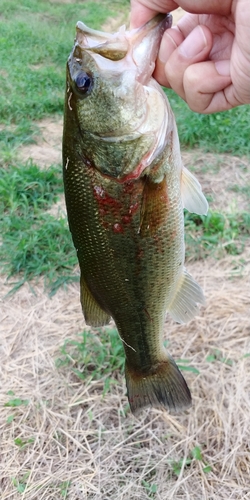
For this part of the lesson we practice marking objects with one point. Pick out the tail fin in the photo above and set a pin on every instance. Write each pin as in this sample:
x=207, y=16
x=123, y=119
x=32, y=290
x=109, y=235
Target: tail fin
x=163, y=386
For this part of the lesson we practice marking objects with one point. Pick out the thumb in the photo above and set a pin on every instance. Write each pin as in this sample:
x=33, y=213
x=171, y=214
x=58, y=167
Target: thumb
x=171, y=67
x=190, y=73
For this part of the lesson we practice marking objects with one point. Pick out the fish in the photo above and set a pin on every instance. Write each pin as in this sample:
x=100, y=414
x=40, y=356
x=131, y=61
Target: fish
x=125, y=189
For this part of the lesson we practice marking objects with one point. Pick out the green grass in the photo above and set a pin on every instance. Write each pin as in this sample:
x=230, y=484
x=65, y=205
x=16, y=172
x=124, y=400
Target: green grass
x=94, y=355
x=226, y=132
x=194, y=455
x=39, y=247
x=216, y=234
x=98, y=357
x=13, y=403
x=21, y=483
x=245, y=190
x=64, y=488
x=150, y=488
x=35, y=41
x=27, y=188
x=34, y=243
x=98, y=354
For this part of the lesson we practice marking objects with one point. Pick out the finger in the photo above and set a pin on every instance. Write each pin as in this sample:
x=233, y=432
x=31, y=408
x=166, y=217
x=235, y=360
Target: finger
x=140, y=15
x=195, y=48
x=143, y=11
x=207, y=87
x=171, y=39
x=207, y=6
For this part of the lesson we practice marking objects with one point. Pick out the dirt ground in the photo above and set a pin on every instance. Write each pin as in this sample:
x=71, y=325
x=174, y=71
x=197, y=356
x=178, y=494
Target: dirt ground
x=65, y=438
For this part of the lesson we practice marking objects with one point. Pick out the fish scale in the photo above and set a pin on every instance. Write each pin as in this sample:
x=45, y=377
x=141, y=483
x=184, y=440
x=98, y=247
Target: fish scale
x=125, y=210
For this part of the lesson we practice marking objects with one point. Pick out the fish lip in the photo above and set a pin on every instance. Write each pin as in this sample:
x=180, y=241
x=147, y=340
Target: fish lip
x=134, y=45
x=91, y=40
x=145, y=42
x=163, y=21
x=148, y=26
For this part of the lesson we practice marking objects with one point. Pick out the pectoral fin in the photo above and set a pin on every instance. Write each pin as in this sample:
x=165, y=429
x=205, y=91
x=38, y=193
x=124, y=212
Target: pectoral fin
x=188, y=294
x=94, y=315
x=193, y=198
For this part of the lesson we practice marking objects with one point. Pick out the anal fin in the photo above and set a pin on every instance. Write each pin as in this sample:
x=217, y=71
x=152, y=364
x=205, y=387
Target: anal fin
x=94, y=315
x=192, y=196
x=184, y=304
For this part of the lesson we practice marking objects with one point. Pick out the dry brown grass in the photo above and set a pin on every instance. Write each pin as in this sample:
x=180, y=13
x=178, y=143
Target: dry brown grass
x=81, y=436
x=75, y=433
x=220, y=175
x=48, y=147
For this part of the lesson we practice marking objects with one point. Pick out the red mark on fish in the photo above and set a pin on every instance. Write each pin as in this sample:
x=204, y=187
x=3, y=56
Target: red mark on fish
x=116, y=212
x=117, y=228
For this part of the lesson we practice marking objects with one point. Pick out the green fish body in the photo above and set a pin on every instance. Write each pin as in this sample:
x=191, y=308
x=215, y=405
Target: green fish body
x=125, y=189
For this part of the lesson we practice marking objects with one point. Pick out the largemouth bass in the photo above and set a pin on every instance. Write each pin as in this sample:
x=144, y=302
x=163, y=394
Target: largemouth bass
x=125, y=189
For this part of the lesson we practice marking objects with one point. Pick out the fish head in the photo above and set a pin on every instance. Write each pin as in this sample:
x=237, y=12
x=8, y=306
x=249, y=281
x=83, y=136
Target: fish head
x=107, y=74
x=114, y=99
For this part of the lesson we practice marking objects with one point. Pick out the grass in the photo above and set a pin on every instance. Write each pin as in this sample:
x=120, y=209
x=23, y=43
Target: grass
x=194, y=454
x=77, y=435
x=35, y=41
x=26, y=189
x=41, y=247
x=99, y=352
x=96, y=355
x=21, y=483
x=36, y=38
x=216, y=234
x=13, y=403
x=12, y=137
x=225, y=132
x=67, y=431
x=241, y=189
x=34, y=243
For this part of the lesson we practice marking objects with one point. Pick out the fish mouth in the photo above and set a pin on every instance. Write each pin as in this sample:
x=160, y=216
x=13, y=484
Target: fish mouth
x=136, y=48
x=121, y=66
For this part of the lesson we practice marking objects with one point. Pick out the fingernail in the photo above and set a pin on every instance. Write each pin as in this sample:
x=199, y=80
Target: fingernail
x=193, y=44
x=223, y=67
x=167, y=46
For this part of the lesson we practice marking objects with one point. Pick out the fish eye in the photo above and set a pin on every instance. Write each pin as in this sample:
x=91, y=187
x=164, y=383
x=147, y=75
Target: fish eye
x=83, y=82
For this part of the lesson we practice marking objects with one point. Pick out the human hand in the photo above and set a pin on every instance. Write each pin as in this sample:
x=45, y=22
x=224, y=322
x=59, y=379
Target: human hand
x=206, y=57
